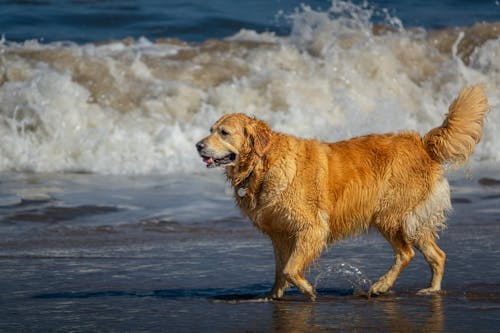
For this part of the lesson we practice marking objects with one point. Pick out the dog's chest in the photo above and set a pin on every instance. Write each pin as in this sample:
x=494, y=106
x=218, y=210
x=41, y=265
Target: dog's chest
x=267, y=209
x=262, y=200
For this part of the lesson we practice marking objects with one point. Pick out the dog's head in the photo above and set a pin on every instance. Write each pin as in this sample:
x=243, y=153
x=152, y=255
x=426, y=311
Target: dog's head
x=232, y=139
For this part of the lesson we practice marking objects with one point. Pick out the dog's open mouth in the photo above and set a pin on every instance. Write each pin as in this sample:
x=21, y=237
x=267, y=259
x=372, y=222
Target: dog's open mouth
x=214, y=162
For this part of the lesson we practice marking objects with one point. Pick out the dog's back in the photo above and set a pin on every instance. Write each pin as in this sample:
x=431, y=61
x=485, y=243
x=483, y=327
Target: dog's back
x=395, y=181
x=378, y=180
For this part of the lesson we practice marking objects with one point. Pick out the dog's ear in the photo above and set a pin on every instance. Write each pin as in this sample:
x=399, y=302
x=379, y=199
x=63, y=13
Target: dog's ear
x=259, y=135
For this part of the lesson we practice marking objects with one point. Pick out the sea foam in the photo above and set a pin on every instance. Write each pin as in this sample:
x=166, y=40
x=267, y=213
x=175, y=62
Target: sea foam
x=138, y=106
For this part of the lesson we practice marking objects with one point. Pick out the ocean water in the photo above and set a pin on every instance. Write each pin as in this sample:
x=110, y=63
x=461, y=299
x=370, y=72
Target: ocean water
x=109, y=220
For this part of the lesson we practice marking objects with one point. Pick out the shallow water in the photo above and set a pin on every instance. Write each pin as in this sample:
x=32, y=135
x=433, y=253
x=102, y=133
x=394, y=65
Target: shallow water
x=82, y=252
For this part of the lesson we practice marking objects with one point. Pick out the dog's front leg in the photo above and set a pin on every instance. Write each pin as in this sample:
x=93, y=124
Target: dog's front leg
x=282, y=250
x=307, y=246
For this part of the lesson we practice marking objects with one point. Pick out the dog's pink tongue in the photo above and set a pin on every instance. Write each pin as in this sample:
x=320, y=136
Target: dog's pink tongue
x=208, y=160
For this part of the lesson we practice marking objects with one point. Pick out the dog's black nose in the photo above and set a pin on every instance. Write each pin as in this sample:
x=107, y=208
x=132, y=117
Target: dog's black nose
x=200, y=145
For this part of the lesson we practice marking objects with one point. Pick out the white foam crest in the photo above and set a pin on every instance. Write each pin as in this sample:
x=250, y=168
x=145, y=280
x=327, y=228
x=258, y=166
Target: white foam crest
x=139, y=107
x=253, y=36
x=54, y=127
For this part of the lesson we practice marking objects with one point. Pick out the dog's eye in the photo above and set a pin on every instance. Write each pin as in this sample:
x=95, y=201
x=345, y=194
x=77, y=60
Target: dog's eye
x=224, y=132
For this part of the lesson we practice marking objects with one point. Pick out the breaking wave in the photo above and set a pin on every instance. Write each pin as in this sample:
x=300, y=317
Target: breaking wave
x=138, y=106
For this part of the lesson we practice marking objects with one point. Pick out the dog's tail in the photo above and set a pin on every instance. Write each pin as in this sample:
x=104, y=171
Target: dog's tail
x=453, y=142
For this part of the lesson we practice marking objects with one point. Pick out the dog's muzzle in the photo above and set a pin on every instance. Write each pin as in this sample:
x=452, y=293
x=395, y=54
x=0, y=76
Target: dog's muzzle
x=212, y=161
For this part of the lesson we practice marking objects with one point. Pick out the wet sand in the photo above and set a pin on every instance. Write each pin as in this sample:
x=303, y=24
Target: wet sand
x=86, y=253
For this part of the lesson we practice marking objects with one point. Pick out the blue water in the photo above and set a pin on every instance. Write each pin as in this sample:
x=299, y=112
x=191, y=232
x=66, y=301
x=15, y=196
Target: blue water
x=198, y=20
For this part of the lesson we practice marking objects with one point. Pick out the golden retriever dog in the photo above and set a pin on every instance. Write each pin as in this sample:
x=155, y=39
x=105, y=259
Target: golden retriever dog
x=305, y=194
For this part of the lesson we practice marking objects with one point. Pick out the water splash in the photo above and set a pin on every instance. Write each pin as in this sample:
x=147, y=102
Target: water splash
x=358, y=281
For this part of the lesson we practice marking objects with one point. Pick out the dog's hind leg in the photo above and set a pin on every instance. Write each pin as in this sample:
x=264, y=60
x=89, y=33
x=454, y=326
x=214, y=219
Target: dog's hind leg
x=403, y=253
x=436, y=258
x=421, y=228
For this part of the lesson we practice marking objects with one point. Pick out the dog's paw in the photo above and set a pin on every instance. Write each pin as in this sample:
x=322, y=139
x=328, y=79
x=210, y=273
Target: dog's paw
x=428, y=291
x=274, y=297
x=276, y=294
x=379, y=288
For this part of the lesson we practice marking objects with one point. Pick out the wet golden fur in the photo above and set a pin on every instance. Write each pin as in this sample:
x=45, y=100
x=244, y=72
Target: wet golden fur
x=305, y=194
